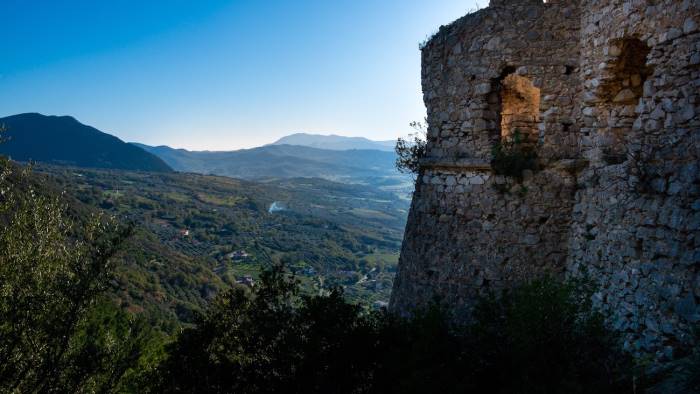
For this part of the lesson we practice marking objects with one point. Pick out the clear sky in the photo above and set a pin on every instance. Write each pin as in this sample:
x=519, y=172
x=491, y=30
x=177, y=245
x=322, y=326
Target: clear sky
x=219, y=74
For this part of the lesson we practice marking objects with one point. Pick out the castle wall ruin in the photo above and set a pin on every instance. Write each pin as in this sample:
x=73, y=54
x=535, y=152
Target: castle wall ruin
x=607, y=94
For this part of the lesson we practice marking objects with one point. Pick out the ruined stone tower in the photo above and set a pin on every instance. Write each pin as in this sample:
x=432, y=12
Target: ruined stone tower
x=608, y=94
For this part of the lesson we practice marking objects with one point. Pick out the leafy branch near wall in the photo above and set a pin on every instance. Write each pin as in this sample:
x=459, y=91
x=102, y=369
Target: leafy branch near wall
x=411, y=150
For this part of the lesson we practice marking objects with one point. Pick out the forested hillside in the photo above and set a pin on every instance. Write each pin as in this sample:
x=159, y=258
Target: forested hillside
x=195, y=235
x=65, y=141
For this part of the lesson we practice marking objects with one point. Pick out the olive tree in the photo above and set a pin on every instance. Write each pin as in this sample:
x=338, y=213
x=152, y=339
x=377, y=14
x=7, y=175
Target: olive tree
x=53, y=268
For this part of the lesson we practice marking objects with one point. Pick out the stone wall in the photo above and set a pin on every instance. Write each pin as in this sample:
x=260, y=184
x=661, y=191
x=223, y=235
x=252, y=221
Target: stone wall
x=469, y=230
x=617, y=133
x=636, y=220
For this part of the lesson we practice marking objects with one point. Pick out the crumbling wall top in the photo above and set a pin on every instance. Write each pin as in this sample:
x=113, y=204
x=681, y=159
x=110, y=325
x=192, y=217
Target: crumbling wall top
x=502, y=3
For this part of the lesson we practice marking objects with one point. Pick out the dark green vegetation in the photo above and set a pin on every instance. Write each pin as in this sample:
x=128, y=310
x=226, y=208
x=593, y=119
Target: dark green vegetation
x=196, y=235
x=63, y=140
x=541, y=338
x=80, y=308
x=57, y=331
x=92, y=305
x=87, y=304
x=513, y=155
x=370, y=167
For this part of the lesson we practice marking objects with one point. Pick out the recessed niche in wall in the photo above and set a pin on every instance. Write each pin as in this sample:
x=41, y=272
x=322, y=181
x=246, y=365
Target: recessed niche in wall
x=621, y=89
x=628, y=72
x=520, y=108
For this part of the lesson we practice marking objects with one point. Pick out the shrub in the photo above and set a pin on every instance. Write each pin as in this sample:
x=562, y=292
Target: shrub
x=513, y=155
x=57, y=331
x=274, y=340
x=545, y=335
x=541, y=337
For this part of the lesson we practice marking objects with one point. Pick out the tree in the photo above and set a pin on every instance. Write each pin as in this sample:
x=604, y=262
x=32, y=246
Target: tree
x=541, y=337
x=272, y=340
x=54, y=267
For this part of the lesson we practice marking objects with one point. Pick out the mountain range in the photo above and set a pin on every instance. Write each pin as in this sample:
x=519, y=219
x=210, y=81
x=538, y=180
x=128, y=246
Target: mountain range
x=335, y=142
x=63, y=140
x=282, y=161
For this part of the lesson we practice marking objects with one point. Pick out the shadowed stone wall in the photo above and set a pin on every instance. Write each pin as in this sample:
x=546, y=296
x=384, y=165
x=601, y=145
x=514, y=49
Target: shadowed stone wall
x=609, y=92
x=469, y=230
x=636, y=220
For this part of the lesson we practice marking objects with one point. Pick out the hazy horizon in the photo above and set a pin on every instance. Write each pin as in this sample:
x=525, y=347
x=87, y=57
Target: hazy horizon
x=276, y=139
x=223, y=75
x=156, y=144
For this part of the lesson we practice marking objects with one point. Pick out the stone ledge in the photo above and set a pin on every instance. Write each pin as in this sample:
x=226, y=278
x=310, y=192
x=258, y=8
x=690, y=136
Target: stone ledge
x=466, y=164
x=570, y=165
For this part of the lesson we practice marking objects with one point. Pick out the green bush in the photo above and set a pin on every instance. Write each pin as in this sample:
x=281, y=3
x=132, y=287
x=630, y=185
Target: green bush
x=542, y=337
x=513, y=155
x=546, y=335
x=57, y=331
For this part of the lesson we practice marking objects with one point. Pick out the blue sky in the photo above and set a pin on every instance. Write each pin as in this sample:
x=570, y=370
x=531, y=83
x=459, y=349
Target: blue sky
x=217, y=74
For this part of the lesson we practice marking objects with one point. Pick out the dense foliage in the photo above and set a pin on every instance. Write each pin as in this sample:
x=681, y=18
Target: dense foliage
x=54, y=269
x=542, y=337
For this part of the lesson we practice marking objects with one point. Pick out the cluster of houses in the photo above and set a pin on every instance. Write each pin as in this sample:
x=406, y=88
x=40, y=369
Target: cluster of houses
x=238, y=255
x=246, y=280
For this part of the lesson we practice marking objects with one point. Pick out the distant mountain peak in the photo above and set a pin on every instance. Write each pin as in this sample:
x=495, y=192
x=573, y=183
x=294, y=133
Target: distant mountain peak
x=37, y=115
x=334, y=142
x=64, y=140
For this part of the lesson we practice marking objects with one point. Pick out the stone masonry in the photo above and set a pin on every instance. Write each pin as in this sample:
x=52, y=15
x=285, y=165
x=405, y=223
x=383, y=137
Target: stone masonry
x=608, y=92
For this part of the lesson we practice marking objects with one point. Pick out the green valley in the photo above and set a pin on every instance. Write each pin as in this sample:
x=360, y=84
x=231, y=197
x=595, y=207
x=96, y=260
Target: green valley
x=195, y=235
